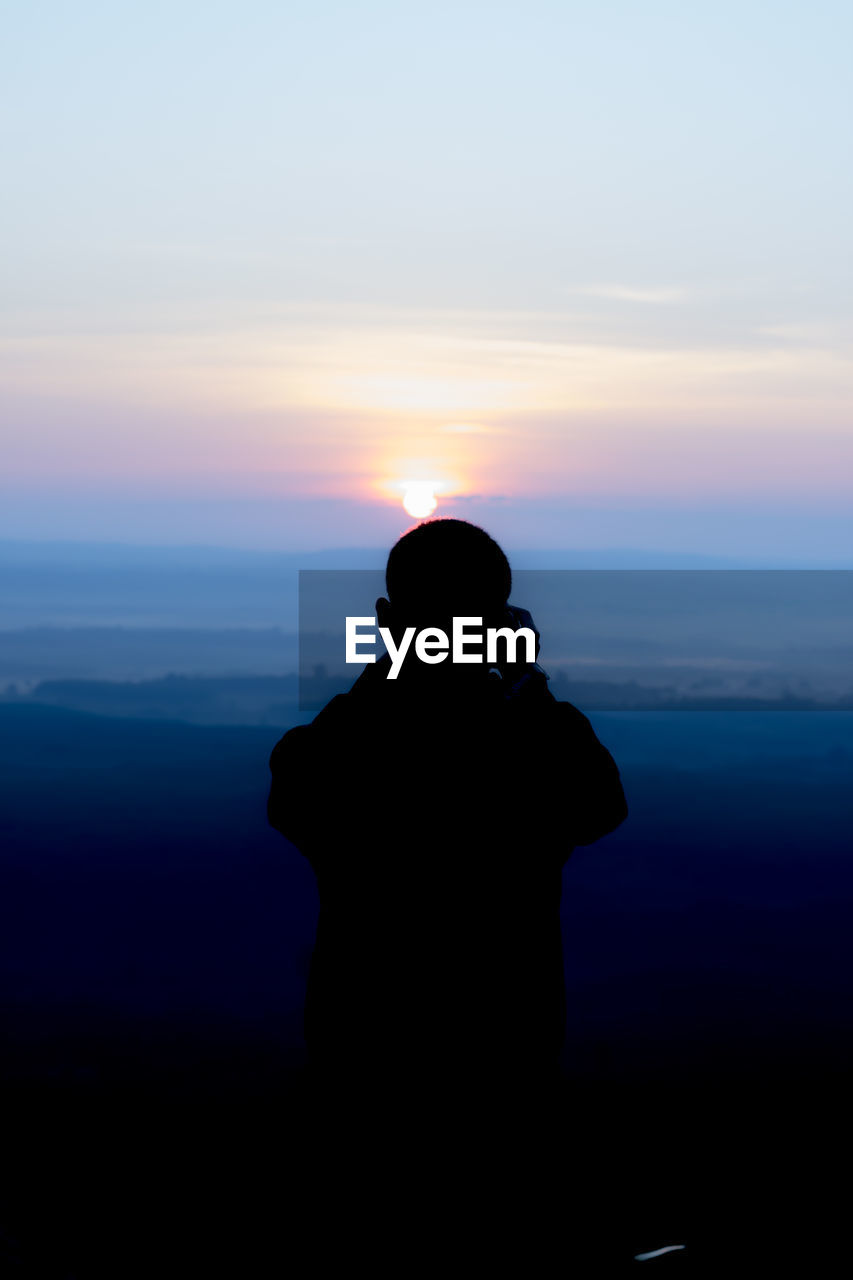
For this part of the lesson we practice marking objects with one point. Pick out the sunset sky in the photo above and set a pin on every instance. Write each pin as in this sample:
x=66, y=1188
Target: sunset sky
x=583, y=270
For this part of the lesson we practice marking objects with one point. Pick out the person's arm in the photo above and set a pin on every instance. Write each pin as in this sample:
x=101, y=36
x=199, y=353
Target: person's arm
x=576, y=757
x=596, y=797
x=301, y=765
x=291, y=800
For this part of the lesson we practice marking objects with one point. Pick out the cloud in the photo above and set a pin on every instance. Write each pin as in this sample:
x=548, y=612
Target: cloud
x=468, y=429
x=626, y=293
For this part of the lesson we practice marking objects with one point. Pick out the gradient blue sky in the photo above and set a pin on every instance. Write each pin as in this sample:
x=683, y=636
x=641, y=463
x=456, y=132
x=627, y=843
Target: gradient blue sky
x=585, y=267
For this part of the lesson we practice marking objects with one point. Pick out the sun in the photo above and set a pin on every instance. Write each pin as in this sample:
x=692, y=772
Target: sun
x=419, y=498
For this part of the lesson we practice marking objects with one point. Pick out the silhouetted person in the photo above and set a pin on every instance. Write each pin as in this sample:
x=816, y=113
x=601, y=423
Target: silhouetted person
x=437, y=811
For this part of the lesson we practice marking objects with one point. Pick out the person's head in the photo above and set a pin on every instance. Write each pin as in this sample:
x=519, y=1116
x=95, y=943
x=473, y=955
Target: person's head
x=447, y=566
x=441, y=569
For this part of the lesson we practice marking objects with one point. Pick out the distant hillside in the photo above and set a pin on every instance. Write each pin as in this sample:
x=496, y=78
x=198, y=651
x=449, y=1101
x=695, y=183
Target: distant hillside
x=31, y=654
x=275, y=700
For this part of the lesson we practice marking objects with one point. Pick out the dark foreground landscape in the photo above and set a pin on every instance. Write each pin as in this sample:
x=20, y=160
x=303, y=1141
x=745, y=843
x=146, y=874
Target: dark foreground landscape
x=155, y=940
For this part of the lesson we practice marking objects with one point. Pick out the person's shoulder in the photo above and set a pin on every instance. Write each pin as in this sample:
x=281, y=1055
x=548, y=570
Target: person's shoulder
x=301, y=736
x=288, y=742
x=542, y=705
x=569, y=714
